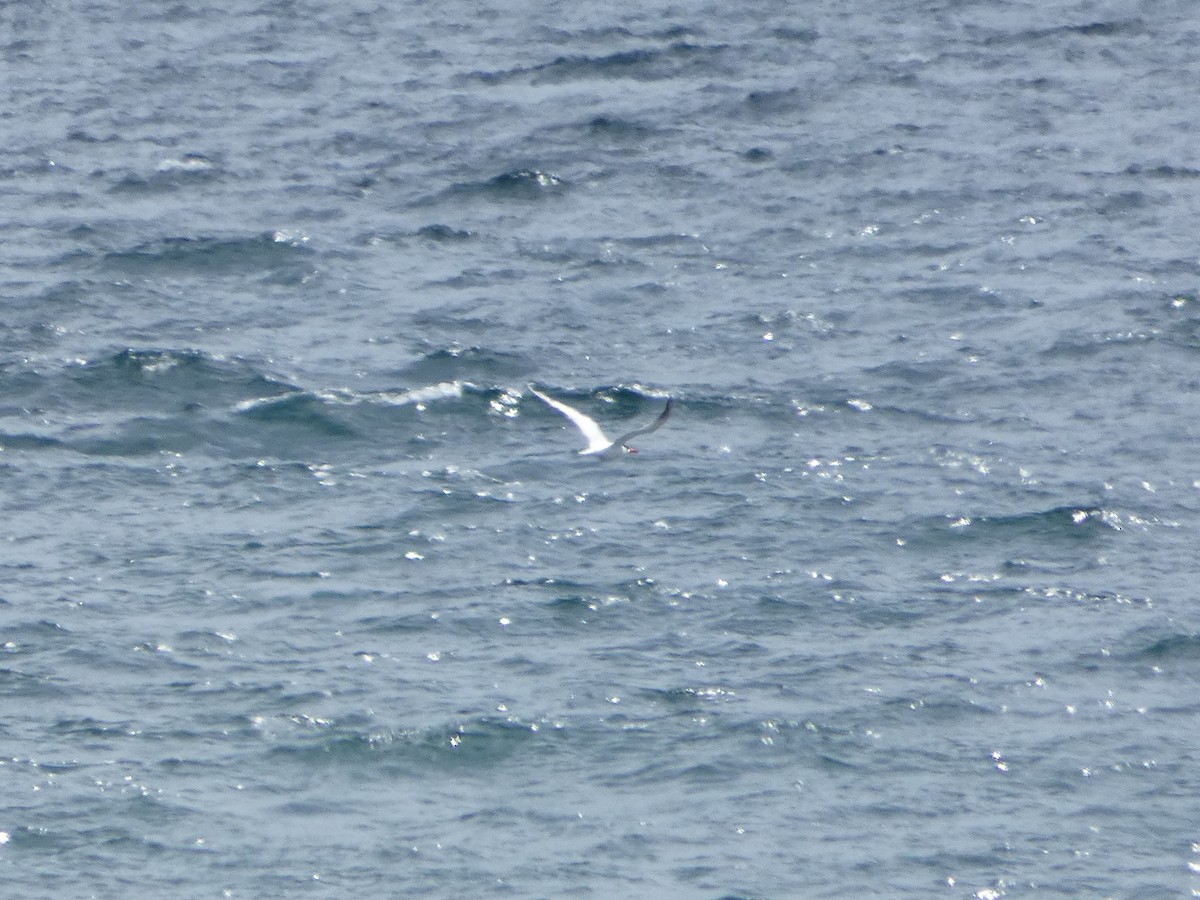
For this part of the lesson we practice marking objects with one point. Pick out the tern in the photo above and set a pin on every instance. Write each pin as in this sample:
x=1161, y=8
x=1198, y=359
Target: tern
x=599, y=443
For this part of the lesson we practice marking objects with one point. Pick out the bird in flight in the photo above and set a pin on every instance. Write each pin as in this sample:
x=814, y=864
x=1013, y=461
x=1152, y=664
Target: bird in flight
x=598, y=443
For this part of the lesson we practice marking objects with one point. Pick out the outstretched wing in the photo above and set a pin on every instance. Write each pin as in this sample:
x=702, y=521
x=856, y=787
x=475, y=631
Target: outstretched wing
x=646, y=429
x=597, y=441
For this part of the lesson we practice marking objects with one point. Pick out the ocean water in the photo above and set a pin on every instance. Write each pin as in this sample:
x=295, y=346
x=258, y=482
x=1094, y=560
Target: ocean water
x=305, y=595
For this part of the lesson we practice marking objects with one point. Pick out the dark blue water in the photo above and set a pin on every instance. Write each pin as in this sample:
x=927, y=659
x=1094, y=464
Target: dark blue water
x=305, y=594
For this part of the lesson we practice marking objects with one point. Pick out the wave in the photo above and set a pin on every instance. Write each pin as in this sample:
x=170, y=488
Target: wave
x=1023, y=37
x=615, y=128
x=478, y=365
x=640, y=64
x=1024, y=538
x=1184, y=173
x=521, y=185
x=434, y=233
x=477, y=743
x=1179, y=647
x=158, y=380
x=1060, y=522
x=1083, y=343
x=138, y=401
x=144, y=401
x=278, y=257
x=171, y=174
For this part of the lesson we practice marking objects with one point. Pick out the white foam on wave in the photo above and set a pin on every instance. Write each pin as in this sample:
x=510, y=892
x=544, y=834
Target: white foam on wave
x=445, y=390
x=189, y=162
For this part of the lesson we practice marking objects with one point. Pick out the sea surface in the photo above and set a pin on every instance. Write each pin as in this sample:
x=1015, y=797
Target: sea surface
x=304, y=594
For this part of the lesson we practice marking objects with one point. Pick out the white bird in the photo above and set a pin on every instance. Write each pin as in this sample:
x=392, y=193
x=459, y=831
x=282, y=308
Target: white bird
x=599, y=443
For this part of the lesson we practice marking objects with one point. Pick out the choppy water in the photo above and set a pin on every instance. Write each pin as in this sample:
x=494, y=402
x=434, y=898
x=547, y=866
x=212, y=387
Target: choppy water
x=305, y=595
